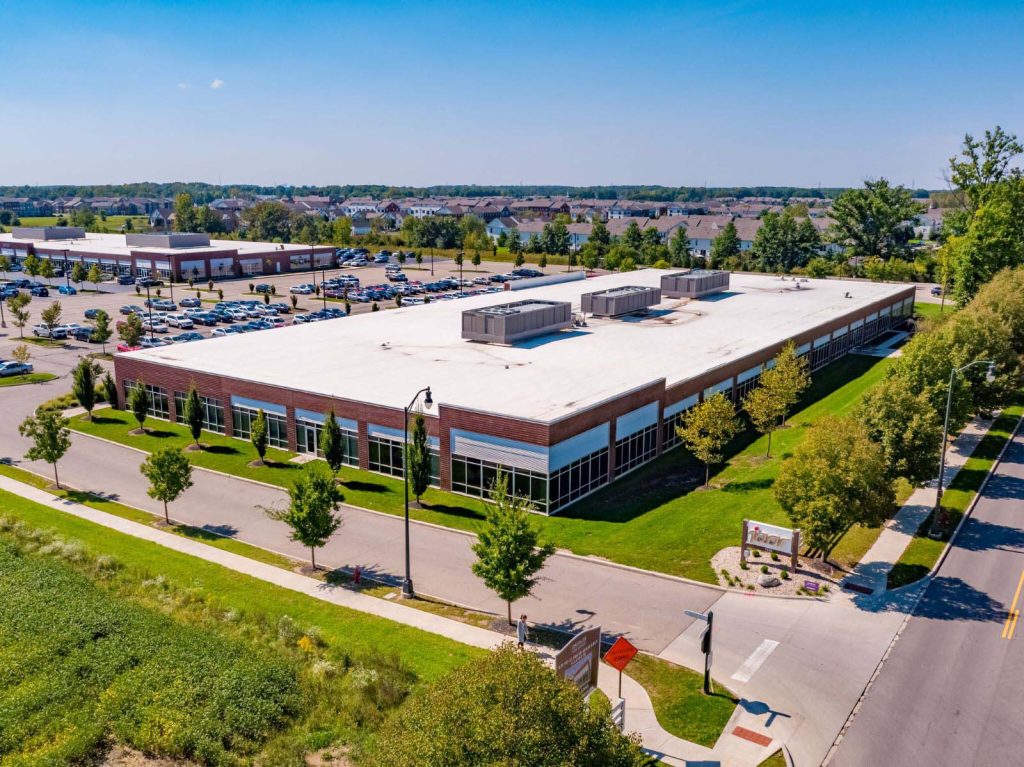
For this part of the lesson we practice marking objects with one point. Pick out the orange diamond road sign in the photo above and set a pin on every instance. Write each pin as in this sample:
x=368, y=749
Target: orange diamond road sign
x=621, y=654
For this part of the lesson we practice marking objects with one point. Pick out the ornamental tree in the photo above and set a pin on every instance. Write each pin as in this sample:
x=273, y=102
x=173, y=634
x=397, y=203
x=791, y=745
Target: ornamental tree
x=509, y=554
x=311, y=513
x=707, y=428
x=50, y=437
x=169, y=474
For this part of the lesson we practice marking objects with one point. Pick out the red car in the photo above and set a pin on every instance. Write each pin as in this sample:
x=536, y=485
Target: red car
x=123, y=347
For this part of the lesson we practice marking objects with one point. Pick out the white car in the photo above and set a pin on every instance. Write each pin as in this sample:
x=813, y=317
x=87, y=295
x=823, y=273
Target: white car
x=300, y=290
x=155, y=325
x=58, y=333
x=276, y=321
x=193, y=312
x=177, y=320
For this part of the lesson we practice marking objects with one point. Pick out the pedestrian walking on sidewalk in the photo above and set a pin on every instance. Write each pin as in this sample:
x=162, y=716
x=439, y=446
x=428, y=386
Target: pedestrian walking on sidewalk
x=521, y=631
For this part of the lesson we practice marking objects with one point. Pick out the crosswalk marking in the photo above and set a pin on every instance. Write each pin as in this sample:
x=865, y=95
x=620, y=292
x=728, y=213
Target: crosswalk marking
x=753, y=663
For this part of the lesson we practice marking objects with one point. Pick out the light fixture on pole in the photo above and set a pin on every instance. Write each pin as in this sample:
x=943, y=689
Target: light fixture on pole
x=149, y=306
x=990, y=375
x=428, y=401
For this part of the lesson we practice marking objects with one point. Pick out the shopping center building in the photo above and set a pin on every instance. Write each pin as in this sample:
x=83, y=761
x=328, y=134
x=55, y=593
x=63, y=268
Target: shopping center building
x=564, y=402
x=177, y=255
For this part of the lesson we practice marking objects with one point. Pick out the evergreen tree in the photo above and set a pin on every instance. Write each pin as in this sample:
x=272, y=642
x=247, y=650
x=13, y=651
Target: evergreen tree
x=101, y=331
x=193, y=413
x=258, y=435
x=332, y=443
x=139, y=403
x=110, y=391
x=418, y=454
x=84, y=385
x=725, y=246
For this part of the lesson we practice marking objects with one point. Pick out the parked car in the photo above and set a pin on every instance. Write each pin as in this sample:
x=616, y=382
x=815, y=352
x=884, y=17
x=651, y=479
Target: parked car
x=178, y=320
x=58, y=333
x=67, y=290
x=154, y=325
x=90, y=314
x=39, y=291
x=301, y=290
x=184, y=338
x=190, y=303
x=148, y=282
x=204, y=318
x=153, y=343
x=78, y=332
x=936, y=291
x=14, y=368
x=261, y=288
x=132, y=309
x=281, y=308
x=123, y=347
x=125, y=279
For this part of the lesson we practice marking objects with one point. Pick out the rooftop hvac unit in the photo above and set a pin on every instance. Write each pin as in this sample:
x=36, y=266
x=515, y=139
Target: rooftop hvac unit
x=694, y=283
x=615, y=302
x=517, y=321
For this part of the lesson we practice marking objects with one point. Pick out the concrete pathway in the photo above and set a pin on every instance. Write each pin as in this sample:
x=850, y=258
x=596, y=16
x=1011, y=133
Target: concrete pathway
x=874, y=567
x=640, y=716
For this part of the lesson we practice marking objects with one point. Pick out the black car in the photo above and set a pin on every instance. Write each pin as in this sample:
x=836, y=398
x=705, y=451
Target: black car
x=125, y=279
x=261, y=288
x=206, y=318
x=148, y=282
x=90, y=314
x=81, y=334
x=39, y=291
x=282, y=308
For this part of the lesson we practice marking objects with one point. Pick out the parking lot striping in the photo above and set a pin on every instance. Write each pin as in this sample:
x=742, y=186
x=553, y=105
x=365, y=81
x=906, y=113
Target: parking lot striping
x=753, y=663
x=1011, y=619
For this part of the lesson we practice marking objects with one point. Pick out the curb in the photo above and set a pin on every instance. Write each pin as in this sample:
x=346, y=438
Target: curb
x=968, y=512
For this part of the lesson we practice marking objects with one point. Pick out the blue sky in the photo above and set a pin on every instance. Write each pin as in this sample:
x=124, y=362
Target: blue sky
x=677, y=93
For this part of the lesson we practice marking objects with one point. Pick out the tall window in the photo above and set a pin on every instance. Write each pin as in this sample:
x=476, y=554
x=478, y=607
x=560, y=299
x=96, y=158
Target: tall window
x=581, y=477
x=386, y=455
x=473, y=476
x=158, y=402
x=309, y=435
x=213, y=411
x=635, y=449
x=242, y=417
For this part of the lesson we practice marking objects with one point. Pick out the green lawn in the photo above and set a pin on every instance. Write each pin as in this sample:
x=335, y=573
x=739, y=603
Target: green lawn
x=775, y=760
x=657, y=503
x=29, y=378
x=111, y=224
x=923, y=552
x=679, y=701
x=933, y=311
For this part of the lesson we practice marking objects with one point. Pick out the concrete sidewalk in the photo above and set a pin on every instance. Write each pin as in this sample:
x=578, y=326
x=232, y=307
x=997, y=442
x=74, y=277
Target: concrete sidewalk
x=640, y=716
x=875, y=565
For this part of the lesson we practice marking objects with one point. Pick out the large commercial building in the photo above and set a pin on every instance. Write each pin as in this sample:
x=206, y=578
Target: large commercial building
x=564, y=412
x=179, y=256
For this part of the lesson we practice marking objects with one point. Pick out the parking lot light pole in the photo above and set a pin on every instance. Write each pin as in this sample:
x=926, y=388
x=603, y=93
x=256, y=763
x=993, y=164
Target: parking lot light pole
x=990, y=375
x=407, y=589
x=149, y=307
x=323, y=286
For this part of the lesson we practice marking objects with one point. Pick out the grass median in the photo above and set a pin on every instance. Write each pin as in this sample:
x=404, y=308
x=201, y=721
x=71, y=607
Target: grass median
x=655, y=518
x=28, y=378
x=923, y=552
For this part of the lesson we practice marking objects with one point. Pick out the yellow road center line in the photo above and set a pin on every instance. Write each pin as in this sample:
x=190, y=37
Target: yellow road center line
x=1013, y=608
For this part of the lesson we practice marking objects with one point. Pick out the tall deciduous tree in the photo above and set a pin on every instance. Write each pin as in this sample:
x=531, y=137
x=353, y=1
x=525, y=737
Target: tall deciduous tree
x=679, y=248
x=633, y=237
x=766, y=410
x=312, y=505
x=982, y=164
x=95, y=276
x=504, y=708
x=783, y=243
x=46, y=270
x=50, y=437
x=787, y=379
x=130, y=331
x=79, y=273
x=873, y=221
x=84, y=385
x=185, y=217
x=139, y=402
x=17, y=305
x=193, y=413
x=905, y=426
x=835, y=478
x=418, y=454
x=332, y=443
x=600, y=236
x=51, y=316
x=509, y=553
x=707, y=428
x=101, y=331
x=169, y=474
x=258, y=435
x=725, y=246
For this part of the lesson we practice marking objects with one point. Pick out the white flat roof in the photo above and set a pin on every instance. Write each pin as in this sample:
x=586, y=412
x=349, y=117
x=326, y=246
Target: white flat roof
x=384, y=357
x=115, y=245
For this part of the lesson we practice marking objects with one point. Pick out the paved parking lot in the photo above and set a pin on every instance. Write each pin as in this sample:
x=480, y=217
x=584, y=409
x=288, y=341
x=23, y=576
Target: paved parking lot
x=112, y=296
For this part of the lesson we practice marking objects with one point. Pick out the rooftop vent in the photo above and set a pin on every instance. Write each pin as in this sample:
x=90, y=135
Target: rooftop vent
x=517, y=321
x=694, y=283
x=48, y=232
x=618, y=301
x=171, y=240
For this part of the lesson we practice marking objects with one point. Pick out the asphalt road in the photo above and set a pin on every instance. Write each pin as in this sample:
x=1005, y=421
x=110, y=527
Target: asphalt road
x=952, y=691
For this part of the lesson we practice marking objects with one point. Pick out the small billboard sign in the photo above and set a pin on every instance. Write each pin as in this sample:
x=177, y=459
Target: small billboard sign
x=760, y=535
x=578, y=661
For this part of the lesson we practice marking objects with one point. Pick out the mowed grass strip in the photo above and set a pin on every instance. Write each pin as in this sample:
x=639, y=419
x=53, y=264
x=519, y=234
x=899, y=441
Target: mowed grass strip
x=923, y=552
x=28, y=378
x=654, y=518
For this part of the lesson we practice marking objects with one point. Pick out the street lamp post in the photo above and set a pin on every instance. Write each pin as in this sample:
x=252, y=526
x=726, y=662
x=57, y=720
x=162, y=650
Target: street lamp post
x=323, y=286
x=935, y=531
x=407, y=589
x=149, y=307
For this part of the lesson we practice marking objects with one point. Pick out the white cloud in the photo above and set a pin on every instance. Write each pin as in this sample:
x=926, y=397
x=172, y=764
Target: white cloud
x=217, y=84
x=183, y=86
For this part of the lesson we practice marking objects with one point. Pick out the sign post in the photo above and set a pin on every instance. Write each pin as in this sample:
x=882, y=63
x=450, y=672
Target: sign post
x=705, y=644
x=578, y=661
x=619, y=656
